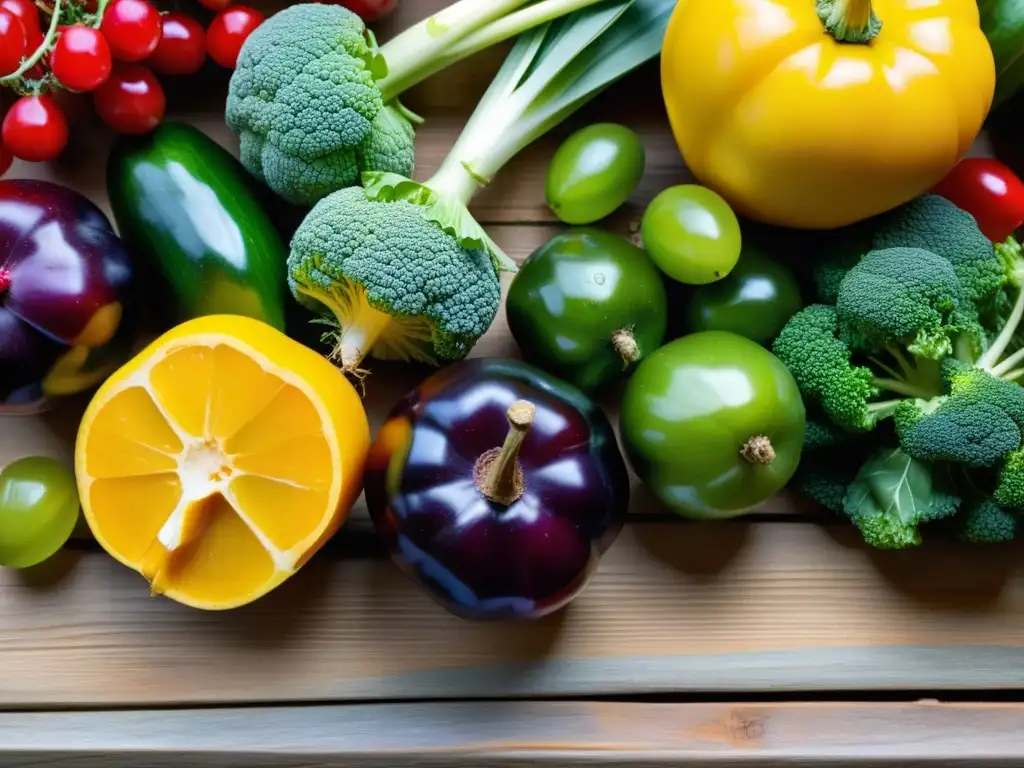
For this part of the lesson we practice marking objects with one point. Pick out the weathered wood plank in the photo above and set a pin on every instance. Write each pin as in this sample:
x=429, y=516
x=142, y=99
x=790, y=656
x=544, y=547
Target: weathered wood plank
x=718, y=607
x=832, y=735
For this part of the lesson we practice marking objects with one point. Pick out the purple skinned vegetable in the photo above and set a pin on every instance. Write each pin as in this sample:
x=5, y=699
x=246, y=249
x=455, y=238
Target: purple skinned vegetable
x=65, y=284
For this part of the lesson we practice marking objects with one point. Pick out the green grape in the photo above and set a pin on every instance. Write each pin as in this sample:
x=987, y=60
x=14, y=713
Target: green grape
x=38, y=510
x=593, y=172
x=691, y=234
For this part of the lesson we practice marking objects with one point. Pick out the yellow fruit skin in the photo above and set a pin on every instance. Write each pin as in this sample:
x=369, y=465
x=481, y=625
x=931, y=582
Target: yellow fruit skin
x=346, y=422
x=796, y=129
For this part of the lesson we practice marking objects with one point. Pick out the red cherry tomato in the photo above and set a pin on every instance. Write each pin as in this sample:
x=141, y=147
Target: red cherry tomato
x=35, y=129
x=131, y=101
x=182, y=46
x=81, y=59
x=369, y=10
x=215, y=5
x=5, y=159
x=228, y=31
x=132, y=27
x=13, y=42
x=990, y=192
x=26, y=11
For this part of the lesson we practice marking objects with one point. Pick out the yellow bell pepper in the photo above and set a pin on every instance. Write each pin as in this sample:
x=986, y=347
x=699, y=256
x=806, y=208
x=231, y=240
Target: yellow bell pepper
x=816, y=114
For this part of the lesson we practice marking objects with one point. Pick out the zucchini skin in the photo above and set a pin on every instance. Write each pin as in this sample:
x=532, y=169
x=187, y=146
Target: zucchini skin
x=187, y=212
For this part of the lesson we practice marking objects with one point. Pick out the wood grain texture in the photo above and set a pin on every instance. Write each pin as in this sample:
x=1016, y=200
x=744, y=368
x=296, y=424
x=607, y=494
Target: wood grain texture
x=837, y=735
x=726, y=607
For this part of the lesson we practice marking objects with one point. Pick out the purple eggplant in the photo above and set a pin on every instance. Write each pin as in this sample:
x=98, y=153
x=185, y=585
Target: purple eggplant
x=498, y=488
x=65, y=289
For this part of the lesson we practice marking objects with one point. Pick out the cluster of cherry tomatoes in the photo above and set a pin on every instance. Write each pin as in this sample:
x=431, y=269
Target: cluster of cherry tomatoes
x=112, y=49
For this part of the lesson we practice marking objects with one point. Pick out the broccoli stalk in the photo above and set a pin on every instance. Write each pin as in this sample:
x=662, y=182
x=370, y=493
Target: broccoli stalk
x=315, y=101
x=401, y=268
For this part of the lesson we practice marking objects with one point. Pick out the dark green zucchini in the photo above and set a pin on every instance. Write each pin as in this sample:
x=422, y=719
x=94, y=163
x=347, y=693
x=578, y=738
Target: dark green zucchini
x=186, y=211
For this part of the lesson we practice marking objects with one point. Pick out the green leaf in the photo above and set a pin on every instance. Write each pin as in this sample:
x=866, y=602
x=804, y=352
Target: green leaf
x=1002, y=21
x=449, y=214
x=891, y=496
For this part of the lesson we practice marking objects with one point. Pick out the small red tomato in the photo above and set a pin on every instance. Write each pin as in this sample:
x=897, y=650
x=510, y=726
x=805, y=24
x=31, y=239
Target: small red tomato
x=215, y=5
x=131, y=101
x=228, y=31
x=369, y=10
x=990, y=192
x=81, y=59
x=132, y=27
x=35, y=129
x=5, y=159
x=13, y=42
x=29, y=16
x=182, y=46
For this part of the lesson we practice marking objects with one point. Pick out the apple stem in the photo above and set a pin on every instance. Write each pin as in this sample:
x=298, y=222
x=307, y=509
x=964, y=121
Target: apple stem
x=758, y=450
x=625, y=346
x=497, y=473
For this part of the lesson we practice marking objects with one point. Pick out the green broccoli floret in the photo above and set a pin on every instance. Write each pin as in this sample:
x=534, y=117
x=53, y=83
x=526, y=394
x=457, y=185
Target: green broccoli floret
x=305, y=102
x=824, y=481
x=398, y=285
x=973, y=434
x=968, y=384
x=892, y=495
x=820, y=363
x=822, y=433
x=933, y=223
x=899, y=297
x=977, y=423
x=985, y=522
x=1009, y=491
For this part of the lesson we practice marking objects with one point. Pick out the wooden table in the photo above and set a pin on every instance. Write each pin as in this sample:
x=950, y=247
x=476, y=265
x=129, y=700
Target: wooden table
x=778, y=639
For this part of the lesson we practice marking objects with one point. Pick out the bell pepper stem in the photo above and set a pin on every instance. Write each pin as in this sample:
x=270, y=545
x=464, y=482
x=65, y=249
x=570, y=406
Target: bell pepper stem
x=497, y=472
x=758, y=450
x=625, y=346
x=849, y=21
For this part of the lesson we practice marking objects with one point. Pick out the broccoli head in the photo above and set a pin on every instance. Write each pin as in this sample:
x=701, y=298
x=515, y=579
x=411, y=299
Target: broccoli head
x=985, y=522
x=977, y=423
x=820, y=363
x=305, y=102
x=899, y=297
x=1009, y=491
x=398, y=285
x=891, y=496
x=822, y=433
x=966, y=383
x=933, y=223
x=975, y=434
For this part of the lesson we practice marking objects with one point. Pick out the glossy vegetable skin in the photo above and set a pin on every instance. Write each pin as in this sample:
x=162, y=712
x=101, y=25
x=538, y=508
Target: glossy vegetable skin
x=593, y=172
x=755, y=301
x=1003, y=24
x=813, y=124
x=38, y=510
x=713, y=424
x=587, y=306
x=989, y=191
x=483, y=554
x=692, y=234
x=186, y=210
x=66, y=293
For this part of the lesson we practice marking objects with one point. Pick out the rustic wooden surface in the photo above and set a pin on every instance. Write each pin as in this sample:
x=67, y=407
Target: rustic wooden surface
x=784, y=602
x=489, y=735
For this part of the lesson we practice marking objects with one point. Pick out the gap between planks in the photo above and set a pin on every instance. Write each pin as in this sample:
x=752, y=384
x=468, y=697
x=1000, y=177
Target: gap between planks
x=462, y=735
x=717, y=608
